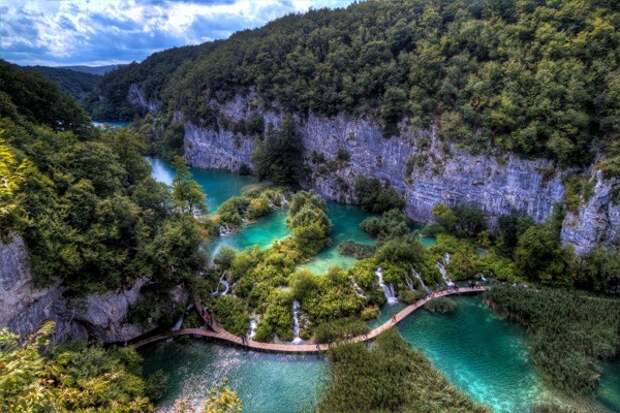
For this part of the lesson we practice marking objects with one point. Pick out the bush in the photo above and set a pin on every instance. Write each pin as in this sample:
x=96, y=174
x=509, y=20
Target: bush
x=342, y=329
x=231, y=313
x=393, y=223
x=440, y=305
x=356, y=250
x=309, y=222
x=375, y=197
x=410, y=297
x=370, y=312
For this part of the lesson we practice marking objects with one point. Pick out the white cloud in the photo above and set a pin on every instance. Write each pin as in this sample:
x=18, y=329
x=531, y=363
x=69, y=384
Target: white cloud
x=118, y=31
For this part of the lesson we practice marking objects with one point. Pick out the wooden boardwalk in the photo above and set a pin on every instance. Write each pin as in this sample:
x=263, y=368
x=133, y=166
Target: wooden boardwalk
x=220, y=334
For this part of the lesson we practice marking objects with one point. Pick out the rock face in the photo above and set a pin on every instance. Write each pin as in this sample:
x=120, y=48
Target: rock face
x=136, y=97
x=104, y=315
x=24, y=307
x=417, y=163
x=597, y=221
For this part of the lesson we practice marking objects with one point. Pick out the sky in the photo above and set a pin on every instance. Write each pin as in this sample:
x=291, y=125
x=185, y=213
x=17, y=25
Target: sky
x=102, y=32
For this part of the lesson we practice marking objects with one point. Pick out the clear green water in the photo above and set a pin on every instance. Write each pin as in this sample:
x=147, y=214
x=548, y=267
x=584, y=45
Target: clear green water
x=217, y=185
x=608, y=394
x=265, y=383
x=262, y=233
x=346, y=220
x=478, y=352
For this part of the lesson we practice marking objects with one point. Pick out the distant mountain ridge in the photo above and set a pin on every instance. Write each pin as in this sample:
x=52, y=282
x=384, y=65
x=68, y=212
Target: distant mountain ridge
x=93, y=70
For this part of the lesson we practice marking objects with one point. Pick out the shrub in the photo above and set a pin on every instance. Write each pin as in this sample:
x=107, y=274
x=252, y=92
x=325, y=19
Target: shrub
x=355, y=249
x=440, y=305
x=231, y=313
x=393, y=223
x=375, y=197
x=341, y=329
x=370, y=312
x=410, y=297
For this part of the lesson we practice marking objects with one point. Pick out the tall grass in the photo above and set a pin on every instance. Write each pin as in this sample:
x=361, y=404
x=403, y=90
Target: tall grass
x=568, y=333
x=389, y=377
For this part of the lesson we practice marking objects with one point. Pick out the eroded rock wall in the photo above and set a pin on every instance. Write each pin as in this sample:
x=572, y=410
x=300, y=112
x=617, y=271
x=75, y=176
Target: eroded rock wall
x=23, y=307
x=437, y=172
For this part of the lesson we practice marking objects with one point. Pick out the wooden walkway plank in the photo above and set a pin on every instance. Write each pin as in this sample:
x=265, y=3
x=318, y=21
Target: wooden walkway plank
x=220, y=334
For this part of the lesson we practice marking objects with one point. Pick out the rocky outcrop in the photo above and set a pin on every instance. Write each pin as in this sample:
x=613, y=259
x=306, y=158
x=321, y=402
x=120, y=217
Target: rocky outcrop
x=597, y=222
x=105, y=315
x=426, y=170
x=24, y=307
x=136, y=97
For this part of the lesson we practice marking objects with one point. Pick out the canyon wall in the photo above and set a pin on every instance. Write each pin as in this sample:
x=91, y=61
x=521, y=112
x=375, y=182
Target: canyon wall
x=25, y=307
x=417, y=163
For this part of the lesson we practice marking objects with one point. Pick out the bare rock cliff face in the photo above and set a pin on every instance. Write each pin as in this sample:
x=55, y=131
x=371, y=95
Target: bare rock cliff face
x=23, y=307
x=597, y=221
x=136, y=97
x=418, y=164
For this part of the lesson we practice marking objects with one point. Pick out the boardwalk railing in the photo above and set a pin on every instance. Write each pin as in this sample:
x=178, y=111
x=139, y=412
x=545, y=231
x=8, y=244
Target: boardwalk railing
x=220, y=334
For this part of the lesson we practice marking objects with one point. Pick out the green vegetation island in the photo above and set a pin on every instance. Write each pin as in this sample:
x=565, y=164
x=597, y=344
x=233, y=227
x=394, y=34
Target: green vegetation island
x=330, y=184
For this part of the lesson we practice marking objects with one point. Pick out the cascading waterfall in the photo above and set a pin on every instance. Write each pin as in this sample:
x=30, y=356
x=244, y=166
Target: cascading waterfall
x=252, y=329
x=177, y=326
x=419, y=278
x=296, y=328
x=388, y=289
x=441, y=266
x=223, y=281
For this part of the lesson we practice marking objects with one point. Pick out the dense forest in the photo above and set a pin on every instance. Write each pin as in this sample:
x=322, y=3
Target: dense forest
x=76, y=84
x=109, y=100
x=539, y=78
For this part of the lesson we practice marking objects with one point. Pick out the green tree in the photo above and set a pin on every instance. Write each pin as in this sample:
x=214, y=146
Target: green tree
x=186, y=192
x=539, y=256
x=279, y=157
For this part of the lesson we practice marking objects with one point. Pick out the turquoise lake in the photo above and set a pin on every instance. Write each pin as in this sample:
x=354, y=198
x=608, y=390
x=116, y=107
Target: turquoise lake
x=478, y=352
x=217, y=185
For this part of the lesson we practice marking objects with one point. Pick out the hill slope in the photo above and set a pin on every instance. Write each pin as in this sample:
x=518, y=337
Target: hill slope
x=539, y=78
x=75, y=83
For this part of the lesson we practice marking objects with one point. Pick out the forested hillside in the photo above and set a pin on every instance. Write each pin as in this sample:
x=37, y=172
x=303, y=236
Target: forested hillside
x=27, y=95
x=109, y=100
x=83, y=200
x=537, y=77
x=75, y=83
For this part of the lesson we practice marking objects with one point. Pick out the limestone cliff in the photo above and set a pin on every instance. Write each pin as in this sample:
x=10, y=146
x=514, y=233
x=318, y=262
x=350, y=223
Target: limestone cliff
x=24, y=307
x=425, y=169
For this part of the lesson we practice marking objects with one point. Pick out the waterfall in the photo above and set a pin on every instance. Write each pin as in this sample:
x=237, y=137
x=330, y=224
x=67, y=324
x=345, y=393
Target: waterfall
x=177, y=326
x=296, y=328
x=388, y=289
x=223, y=281
x=417, y=276
x=441, y=266
x=252, y=329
